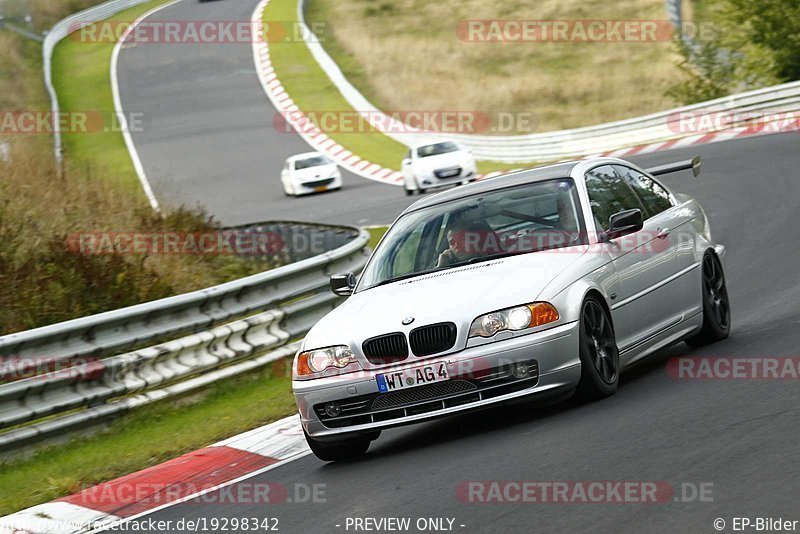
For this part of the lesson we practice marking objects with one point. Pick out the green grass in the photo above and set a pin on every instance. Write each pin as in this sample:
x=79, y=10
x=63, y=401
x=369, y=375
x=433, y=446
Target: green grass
x=81, y=75
x=148, y=436
x=312, y=90
x=375, y=235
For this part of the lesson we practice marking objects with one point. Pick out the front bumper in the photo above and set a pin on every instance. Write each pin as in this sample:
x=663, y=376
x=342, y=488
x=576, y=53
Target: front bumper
x=554, y=353
x=431, y=180
x=316, y=186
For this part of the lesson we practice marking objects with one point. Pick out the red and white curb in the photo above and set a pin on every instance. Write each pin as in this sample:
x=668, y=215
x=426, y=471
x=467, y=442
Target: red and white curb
x=779, y=125
x=292, y=114
x=318, y=140
x=182, y=479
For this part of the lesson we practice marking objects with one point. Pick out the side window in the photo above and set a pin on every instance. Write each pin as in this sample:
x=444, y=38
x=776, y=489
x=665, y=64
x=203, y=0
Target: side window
x=609, y=194
x=655, y=197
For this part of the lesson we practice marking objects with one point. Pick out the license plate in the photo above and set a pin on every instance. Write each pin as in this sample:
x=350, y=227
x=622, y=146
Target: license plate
x=321, y=188
x=415, y=376
x=449, y=173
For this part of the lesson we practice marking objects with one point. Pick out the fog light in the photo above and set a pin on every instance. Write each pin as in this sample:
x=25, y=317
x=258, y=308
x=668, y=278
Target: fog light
x=332, y=409
x=519, y=370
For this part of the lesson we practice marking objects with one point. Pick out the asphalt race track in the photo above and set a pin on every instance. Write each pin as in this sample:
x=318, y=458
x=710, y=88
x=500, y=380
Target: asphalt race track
x=212, y=143
x=209, y=138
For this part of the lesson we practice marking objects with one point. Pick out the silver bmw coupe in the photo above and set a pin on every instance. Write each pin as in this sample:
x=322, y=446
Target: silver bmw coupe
x=545, y=282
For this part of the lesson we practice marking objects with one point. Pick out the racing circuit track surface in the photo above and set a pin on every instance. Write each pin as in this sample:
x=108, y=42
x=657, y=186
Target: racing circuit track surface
x=209, y=138
x=740, y=435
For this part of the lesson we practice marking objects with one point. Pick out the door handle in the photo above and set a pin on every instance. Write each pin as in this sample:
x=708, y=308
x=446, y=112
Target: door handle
x=662, y=233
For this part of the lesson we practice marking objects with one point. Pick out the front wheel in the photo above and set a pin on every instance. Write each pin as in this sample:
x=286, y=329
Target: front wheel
x=716, y=307
x=599, y=354
x=336, y=451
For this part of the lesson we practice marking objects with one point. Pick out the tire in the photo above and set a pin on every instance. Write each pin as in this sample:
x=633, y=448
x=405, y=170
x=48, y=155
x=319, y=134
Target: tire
x=716, y=306
x=420, y=190
x=338, y=451
x=409, y=192
x=599, y=354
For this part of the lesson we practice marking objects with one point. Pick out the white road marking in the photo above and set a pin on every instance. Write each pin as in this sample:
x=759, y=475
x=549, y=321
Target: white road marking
x=120, y=112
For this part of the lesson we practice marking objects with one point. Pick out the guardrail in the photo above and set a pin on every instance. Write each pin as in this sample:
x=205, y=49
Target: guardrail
x=285, y=303
x=7, y=25
x=563, y=144
x=60, y=30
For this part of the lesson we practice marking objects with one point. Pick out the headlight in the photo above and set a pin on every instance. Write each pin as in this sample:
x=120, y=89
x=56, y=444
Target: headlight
x=516, y=318
x=316, y=361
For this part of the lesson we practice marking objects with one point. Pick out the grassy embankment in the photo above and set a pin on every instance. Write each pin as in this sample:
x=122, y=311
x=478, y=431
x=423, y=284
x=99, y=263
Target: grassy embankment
x=312, y=90
x=41, y=281
x=398, y=62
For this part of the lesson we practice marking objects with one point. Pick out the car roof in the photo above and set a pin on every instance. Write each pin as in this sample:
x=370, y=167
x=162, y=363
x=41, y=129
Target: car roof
x=428, y=142
x=304, y=155
x=549, y=172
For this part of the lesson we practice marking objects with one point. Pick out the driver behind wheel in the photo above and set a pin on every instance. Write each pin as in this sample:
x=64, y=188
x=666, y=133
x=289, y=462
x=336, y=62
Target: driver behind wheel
x=467, y=240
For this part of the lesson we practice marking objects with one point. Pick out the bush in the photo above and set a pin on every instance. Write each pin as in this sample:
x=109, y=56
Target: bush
x=42, y=280
x=752, y=45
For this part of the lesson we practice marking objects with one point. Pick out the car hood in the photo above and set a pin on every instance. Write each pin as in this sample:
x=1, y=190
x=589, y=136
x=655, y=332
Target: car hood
x=457, y=295
x=314, y=173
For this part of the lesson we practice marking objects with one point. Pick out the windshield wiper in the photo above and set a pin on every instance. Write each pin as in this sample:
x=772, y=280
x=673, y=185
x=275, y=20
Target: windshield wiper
x=480, y=259
x=408, y=275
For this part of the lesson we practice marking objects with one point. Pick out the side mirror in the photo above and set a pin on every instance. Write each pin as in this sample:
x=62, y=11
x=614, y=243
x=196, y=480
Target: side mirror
x=624, y=223
x=343, y=284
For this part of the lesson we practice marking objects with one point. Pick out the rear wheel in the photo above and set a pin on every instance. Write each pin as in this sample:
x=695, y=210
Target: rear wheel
x=598, y=352
x=716, y=307
x=336, y=451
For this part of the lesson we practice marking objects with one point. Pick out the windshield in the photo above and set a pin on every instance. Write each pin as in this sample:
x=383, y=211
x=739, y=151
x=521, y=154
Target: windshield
x=438, y=148
x=518, y=220
x=316, y=161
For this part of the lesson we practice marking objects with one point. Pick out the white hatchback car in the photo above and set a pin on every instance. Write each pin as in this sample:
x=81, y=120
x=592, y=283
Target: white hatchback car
x=310, y=172
x=429, y=165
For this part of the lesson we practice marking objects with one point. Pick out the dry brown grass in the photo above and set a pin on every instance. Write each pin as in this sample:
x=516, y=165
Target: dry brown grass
x=45, y=13
x=405, y=54
x=41, y=281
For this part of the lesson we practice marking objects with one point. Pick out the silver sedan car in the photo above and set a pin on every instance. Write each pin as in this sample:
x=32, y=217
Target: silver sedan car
x=546, y=282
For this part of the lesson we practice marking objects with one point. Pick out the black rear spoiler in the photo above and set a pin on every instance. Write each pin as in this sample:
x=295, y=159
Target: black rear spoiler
x=693, y=164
